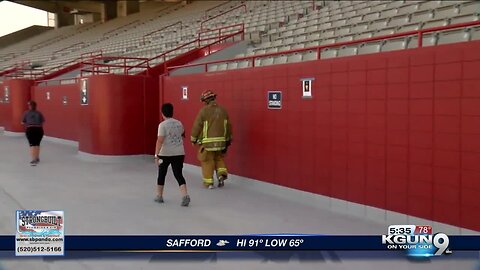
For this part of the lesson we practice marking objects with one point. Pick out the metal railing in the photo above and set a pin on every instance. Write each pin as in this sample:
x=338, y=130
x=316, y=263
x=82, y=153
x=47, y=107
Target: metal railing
x=78, y=60
x=197, y=41
x=223, y=13
x=318, y=49
x=46, y=42
x=220, y=29
x=68, y=47
x=91, y=59
x=91, y=54
x=7, y=55
x=24, y=72
x=56, y=81
x=120, y=28
x=162, y=29
x=124, y=65
x=14, y=68
x=221, y=5
x=215, y=7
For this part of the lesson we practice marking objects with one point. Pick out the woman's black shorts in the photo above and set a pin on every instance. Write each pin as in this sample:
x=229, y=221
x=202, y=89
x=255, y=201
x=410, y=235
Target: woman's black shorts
x=34, y=135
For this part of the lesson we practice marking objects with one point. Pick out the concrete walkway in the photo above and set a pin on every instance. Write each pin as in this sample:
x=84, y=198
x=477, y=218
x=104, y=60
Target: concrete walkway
x=117, y=198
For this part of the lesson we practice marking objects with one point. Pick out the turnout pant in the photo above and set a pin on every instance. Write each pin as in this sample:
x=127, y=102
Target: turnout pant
x=212, y=161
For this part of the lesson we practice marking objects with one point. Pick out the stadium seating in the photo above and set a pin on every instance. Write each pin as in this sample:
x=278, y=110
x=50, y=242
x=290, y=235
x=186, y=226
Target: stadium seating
x=271, y=26
x=141, y=35
x=343, y=21
x=118, y=37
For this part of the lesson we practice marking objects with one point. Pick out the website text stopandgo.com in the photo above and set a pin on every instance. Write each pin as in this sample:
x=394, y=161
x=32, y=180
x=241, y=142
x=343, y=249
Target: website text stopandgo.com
x=40, y=239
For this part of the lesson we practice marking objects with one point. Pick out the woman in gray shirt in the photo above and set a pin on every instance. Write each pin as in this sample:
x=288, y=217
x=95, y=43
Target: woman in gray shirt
x=33, y=121
x=169, y=151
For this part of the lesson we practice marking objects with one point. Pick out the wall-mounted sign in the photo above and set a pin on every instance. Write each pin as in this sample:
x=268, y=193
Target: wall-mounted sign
x=6, y=94
x=307, y=87
x=184, y=92
x=47, y=94
x=64, y=100
x=274, y=99
x=83, y=92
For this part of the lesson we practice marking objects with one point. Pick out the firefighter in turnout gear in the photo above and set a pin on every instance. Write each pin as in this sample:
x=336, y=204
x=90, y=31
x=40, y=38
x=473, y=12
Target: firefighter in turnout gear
x=213, y=132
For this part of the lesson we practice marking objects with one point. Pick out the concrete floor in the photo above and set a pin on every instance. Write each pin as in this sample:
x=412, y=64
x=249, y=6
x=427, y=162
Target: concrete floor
x=117, y=198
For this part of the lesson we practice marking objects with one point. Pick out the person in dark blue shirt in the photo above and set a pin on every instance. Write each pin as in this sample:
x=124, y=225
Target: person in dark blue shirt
x=33, y=121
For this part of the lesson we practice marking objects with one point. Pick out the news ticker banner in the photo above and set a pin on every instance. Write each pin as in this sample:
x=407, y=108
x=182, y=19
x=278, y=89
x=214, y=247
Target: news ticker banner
x=41, y=233
x=249, y=242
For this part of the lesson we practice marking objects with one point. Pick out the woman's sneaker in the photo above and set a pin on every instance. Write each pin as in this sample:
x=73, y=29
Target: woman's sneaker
x=209, y=186
x=158, y=199
x=33, y=163
x=185, y=200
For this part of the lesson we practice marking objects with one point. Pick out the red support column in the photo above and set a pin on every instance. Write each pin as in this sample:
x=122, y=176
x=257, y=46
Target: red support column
x=18, y=95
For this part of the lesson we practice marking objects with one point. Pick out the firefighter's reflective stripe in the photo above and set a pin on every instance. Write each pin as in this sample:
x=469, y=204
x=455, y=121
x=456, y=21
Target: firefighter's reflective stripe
x=222, y=170
x=215, y=139
x=213, y=149
x=205, y=130
x=225, y=122
x=208, y=180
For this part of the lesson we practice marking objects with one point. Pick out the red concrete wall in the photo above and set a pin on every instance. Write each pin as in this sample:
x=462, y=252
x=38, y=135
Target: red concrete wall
x=61, y=119
x=13, y=111
x=396, y=130
x=121, y=117
x=3, y=107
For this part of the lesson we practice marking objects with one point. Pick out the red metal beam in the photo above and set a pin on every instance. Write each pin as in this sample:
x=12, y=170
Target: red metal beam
x=420, y=33
x=119, y=58
x=95, y=67
x=16, y=67
x=22, y=72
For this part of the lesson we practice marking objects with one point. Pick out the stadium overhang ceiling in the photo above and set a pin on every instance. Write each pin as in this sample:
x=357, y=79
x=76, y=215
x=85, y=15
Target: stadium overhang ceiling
x=79, y=5
x=54, y=5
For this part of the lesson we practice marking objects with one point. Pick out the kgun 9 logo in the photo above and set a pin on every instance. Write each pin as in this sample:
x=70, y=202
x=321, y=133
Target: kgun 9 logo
x=419, y=245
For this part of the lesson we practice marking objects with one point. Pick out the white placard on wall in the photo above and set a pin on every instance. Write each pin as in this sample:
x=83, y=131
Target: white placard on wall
x=184, y=92
x=307, y=87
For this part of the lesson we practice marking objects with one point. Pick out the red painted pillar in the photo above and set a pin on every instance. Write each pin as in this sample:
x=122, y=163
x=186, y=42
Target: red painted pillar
x=3, y=108
x=15, y=94
x=116, y=119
